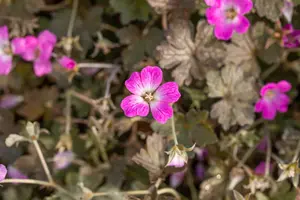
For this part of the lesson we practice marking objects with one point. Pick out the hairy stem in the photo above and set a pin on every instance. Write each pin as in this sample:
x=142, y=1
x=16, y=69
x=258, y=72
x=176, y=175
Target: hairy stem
x=269, y=154
x=97, y=65
x=72, y=18
x=43, y=161
x=68, y=113
x=190, y=182
x=296, y=155
x=143, y=192
x=37, y=182
x=174, y=131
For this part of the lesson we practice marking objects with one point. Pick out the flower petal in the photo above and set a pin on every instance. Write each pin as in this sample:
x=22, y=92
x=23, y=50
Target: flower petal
x=212, y=2
x=224, y=31
x=284, y=86
x=161, y=111
x=3, y=172
x=243, y=6
x=242, y=25
x=5, y=64
x=135, y=105
x=134, y=84
x=168, y=92
x=214, y=15
x=47, y=37
x=18, y=45
x=67, y=62
x=282, y=102
x=4, y=33
x=31, y=44
x=15, y=173
x=151, y=78
x=269, y=111
x=42, y=67
x=45, y=50
x=176, y=179
x=267, y=87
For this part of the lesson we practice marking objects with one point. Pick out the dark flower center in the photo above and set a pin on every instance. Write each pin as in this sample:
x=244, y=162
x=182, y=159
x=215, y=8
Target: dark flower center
x=231, y=13
x=148, y=96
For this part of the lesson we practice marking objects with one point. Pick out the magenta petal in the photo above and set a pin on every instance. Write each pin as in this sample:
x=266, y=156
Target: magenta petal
x=18, y=45
x=45, y=50
x=177, y=161
x=214, y=15
x=4, y=33
x=3, y=172
x=42, y=67
x=265, y=88
x=135, y=105
x=242, y=25
x=167, y=92
x=134, y=84
x=243, y=6
x=5, y=64
x=282, y=102
x=200, y=171
x=259, y=105
x=176, y=179
x=284, y=86
x=15, y=173
x=212, y=2
x=67, y=62
x=269, y=111
x=47, y=37
x=224, y=31
x=31, y=44
x=161, y=111
x=151, y=78
x=260, y=169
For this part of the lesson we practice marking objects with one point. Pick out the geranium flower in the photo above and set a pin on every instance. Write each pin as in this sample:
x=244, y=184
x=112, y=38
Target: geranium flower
x=147, y=93
x=228, y=16
x=178, y=157
x=260, y=169
x=63, y=159
x=273, y=99
x=177, y=178
x=3, y=172
x=290, y=36
x=37, y=49
x=67, y=62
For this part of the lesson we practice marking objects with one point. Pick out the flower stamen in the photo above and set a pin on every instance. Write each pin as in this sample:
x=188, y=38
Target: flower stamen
x=231, y=13
x=148, y=97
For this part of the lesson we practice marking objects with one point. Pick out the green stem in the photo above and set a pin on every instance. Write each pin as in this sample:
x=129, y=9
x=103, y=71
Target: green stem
x=269, y=154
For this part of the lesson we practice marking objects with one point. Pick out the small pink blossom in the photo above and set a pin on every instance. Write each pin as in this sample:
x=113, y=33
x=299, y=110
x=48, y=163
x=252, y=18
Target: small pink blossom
x=273, y=99
x=290, y=36
x=177, y=161
x=287, y=10
x=67, y=62
x=15, y=173
x=3, y=172
x=228, y=16
x=260, y=169
x=177, y=178
x=149, y=95
x=37, y=49
x=63, y=159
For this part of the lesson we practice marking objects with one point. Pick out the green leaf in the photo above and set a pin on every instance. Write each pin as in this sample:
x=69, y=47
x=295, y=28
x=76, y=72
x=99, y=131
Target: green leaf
x=131, y=10
x=261, y=196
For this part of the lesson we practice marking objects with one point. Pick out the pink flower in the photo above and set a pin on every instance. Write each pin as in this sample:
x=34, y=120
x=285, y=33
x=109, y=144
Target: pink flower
x=37, y=49
x=260, y=169
x=287, y=10
x=273, y=98
x=3, y=172
x=177, y=178
x=148, y=95
x=5, y=52
x=177, y=161
x=67, y=62
x=290, y=36
x=15, y=173
x=228, y=16
x=63, y=159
